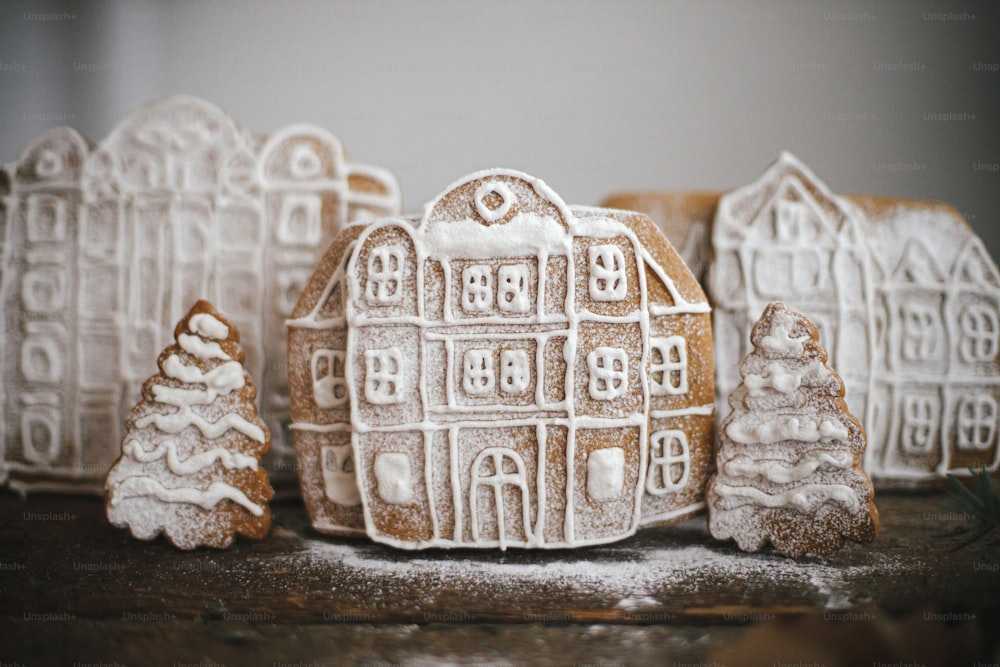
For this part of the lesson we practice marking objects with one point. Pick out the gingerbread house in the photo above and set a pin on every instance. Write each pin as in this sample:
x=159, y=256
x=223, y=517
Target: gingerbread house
x=904, y=292
x=104, y=247
x=503, y=371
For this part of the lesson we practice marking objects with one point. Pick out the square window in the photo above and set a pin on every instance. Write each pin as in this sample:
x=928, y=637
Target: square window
x=384, y=376
x=328, y=378
x=668, y=366
x=607, y=273
x=608, y=368
x=478, y=377
x=477, y=289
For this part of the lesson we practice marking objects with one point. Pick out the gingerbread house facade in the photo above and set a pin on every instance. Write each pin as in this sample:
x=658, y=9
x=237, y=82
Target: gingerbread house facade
x=105, y=247
x=905, y=293
x=504, y=371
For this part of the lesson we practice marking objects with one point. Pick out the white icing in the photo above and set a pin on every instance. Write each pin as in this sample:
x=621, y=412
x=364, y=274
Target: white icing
x=392, y=475
x=478, y=377
x=661, y=370
x=207, y=499
x=221, y=380
x=208, y=326
x=608, y=368
x=780, y=340
x=607, y=280
x=339, y=481
x=185, y=417
x=477, y=288
x=384, y=376
x=200, y=348
x=524, y=234
x=605, y=474
x=663, y=462
x=386, y=266
x=498, y=188
x=515, y=372
x=168, y=449
x=776, y=376
x=512, y=288
x=806, y=498
x=781, y=472
x=780, y=429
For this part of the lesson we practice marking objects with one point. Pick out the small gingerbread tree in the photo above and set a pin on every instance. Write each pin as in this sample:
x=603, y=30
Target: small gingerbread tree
x=789, y=456
x=190, y=462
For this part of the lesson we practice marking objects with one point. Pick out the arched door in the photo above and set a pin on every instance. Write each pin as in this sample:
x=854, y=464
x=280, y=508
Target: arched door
x=498, y=498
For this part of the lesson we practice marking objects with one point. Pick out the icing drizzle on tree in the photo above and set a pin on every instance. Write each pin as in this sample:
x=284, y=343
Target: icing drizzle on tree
x=789, y=457
x=190, y=463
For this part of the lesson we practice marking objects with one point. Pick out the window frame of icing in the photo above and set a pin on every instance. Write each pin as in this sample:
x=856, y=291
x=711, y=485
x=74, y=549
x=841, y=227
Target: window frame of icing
x=660, y=465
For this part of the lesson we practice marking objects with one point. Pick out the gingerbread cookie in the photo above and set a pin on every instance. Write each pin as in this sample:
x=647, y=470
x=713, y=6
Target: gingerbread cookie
x=104, y=248
x=504, y=371
x=190, y=461
x=905, y=295
x=789, y=457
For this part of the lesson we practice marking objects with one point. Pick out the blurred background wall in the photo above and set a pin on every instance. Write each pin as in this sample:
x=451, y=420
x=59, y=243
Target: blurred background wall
x=595, y=96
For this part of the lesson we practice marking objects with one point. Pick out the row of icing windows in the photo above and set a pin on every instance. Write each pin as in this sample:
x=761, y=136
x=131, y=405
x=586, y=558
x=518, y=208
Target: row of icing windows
x=979, y=332
x=508, y=287
x=669, y=470
x=607, y=368
x=976, y=423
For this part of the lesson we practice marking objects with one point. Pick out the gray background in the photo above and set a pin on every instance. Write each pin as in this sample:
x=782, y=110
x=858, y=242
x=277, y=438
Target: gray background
x=595, y=96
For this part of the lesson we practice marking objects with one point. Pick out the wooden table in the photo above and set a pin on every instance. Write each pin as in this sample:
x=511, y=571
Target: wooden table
x=76, y=591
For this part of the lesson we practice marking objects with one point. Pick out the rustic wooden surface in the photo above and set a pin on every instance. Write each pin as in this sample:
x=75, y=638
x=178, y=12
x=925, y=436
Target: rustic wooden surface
x=75, y=590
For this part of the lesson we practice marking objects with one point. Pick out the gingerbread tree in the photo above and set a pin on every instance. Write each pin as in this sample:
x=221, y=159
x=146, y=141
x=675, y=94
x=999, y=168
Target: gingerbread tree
x=190, y=461
x=789, y=456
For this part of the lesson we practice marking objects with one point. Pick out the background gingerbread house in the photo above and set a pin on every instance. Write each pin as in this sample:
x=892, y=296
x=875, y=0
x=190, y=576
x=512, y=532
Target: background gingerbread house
x=505, y=371
x=105, y=248
x=904, y=292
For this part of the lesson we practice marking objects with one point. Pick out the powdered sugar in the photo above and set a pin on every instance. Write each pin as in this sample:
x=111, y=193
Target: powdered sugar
x=640, y=575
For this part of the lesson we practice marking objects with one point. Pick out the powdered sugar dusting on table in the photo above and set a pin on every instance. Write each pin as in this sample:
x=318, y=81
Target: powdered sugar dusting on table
x=639, y=576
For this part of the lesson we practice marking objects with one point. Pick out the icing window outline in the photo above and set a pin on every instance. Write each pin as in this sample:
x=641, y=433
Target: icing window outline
x=478, y=377
x=299, y=222
x=668, y=366
x=515, y=371
x=385, y=275
x=477, y=288
x=919, y=424
x=919, y=332
x=329, y=381
x=339, y=481
x=608, y=368
x=512, y=288
x=977, y=422
x=607, y=273
x=662, y=462
x=980, y=331
x=384, y=376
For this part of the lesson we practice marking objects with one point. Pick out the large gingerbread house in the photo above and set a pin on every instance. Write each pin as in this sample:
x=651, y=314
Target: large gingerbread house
x=104, y=249
x=504, y=371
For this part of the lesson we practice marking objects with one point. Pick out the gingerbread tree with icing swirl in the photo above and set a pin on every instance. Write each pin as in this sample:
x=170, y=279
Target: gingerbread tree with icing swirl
x=190, y=461
x=789, y=456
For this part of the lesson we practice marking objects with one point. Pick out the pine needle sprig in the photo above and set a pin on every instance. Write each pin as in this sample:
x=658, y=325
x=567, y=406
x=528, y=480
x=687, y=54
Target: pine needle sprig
x=981, y=502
